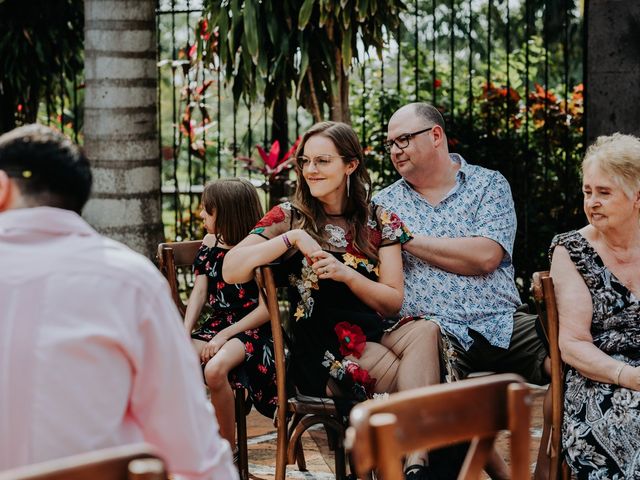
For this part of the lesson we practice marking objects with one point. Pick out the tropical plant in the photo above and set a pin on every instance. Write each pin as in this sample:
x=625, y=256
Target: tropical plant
x=275, y=168
x=309, y=44
x=40, y=47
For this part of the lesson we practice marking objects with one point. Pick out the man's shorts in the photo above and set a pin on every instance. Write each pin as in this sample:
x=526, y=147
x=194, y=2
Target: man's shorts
x=525, y=355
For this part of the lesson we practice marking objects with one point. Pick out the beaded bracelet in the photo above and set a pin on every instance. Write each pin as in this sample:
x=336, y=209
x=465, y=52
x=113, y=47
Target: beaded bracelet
x=286, y=241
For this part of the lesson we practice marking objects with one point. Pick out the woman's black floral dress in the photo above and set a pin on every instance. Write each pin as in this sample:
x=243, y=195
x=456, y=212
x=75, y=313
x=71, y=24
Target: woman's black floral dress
x=601, y=427
x=230, y=303
x=329, y=321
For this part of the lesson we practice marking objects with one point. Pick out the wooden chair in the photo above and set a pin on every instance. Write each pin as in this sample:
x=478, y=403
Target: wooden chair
x=172, y=256
x=129, y=462
x=550, y=443
x=297, y=413
x=382, y=431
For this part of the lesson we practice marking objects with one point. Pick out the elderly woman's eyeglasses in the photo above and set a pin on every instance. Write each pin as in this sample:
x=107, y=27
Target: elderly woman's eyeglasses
x=320, y=161
x=402, y=141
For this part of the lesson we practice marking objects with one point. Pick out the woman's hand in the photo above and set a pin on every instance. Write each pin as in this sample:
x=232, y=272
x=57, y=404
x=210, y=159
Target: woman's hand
x=303, y=242
x=212, y=347
x=327, y=266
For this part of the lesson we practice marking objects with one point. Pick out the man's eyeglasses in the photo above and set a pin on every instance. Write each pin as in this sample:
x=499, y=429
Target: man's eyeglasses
x=320, y=161
x=402, y=141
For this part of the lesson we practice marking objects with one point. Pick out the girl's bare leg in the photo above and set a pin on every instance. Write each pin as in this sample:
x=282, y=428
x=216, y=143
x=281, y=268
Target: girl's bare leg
x=216, y=374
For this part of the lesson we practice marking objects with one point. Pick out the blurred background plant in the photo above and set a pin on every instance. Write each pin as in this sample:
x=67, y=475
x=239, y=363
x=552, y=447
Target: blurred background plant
x=41, y=62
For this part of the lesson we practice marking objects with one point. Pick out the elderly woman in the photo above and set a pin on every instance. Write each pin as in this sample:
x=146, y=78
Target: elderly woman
x=596, y=271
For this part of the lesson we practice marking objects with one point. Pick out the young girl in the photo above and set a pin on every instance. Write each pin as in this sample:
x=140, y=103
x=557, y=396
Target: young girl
x=234, y=342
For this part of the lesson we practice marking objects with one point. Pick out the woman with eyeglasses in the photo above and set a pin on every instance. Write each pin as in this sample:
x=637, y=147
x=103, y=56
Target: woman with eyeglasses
x=341, y=259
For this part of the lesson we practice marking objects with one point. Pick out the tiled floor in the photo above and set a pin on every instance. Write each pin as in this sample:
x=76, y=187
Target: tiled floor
x=262, y=447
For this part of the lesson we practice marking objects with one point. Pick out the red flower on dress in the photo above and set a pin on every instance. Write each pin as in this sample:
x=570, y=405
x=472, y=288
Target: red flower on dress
x=262, y=368
x=375, y=236
x=275, y=215
x=361, y=376
x=248, y=347
x=220, y=285
x=241, y=293
x=352, y=339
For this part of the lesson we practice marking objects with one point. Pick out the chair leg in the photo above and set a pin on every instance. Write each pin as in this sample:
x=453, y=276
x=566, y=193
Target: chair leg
x=241, y=426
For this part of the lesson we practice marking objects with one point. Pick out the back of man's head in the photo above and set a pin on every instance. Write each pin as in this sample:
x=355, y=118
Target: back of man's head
x=48, y=168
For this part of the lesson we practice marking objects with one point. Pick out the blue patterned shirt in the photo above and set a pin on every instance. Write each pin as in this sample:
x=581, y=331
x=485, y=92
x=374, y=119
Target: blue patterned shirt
x=479, y=205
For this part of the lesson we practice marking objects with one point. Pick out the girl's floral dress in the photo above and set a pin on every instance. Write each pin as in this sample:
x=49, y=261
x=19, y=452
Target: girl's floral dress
x=601, y=425
x=230, y=303
x=328, y=321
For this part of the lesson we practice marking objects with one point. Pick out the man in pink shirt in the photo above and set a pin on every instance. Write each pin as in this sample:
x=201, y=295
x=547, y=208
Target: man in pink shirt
x=92, y=353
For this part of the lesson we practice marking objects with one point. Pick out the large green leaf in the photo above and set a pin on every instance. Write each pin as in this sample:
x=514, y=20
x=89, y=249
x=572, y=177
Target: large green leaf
x=305, y=13
x=251, y=29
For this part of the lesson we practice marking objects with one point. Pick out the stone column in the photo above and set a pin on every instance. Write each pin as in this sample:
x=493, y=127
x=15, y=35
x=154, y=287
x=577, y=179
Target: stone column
x=120, y=121
x=612, y=67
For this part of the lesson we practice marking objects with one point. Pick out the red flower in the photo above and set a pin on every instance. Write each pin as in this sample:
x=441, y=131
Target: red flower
x=437, y=83
x=248, y=347
x=375, y=236
x=275, y=215
x=220, y=285
x=220, y=254
x=248, y=304
x=241, y=293
x=352, y=339
x=361, y=376
x=262, y=368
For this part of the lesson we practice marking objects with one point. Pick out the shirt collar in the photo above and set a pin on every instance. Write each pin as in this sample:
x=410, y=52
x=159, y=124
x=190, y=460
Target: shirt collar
x=461, y=175
x=47, y=220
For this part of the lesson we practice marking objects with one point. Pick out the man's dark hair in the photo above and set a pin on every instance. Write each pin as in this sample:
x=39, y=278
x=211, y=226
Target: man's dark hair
x=48, y=168
x=430, y=113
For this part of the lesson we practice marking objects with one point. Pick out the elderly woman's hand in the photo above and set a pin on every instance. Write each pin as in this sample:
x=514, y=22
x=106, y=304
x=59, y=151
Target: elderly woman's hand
x=327, y=266
x=630, y=377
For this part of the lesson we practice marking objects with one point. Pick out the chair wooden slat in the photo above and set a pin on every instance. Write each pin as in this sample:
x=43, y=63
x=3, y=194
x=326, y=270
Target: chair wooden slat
x=545, y=299
x=134, y=462
x=295, y=415
x=441, y=415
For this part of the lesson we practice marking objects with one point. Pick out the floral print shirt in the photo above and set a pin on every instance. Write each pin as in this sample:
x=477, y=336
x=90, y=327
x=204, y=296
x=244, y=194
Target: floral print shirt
x=479, y=205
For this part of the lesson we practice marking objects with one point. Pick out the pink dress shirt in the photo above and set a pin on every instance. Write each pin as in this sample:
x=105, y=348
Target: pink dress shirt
x=93, y=353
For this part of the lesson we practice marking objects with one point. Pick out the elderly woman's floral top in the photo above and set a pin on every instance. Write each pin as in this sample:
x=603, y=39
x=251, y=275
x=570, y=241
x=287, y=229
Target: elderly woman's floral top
x=601, y=425
x=329, y=322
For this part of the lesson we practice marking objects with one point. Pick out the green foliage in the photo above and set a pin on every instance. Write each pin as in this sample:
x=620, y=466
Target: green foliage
x=41, y=46
x=274, y=47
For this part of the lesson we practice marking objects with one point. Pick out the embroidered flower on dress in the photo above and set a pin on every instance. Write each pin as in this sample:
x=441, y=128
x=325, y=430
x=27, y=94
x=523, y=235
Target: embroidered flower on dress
x=393, y=228
x=352, y=339
x=337, y=236
x=350, y=375
x=275, y=215
x=307, y=281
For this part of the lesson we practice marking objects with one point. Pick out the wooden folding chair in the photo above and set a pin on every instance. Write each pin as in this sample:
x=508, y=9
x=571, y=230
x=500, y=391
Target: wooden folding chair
x=128, y=462
x=174, y=255
x=297, y=413
x=550, y=443
x=383, y=431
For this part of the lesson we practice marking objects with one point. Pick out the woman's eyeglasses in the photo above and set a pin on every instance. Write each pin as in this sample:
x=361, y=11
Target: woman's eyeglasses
x=320, y=161
x=402, y=141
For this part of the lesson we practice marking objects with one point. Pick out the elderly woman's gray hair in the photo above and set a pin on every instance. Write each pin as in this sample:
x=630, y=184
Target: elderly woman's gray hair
x=618, y=156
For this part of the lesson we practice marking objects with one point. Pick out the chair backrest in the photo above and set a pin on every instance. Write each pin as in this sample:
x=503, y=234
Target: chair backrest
x=382, y=431
x=267, y=285
x=171, y=256
x=129, y=462
x=545, y=299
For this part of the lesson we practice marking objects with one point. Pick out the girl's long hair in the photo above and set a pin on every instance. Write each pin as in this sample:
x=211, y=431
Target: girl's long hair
x=357, y=210
x=236, y=205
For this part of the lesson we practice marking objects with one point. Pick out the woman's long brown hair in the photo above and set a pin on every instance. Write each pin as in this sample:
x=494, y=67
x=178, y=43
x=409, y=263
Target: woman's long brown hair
x=357, y=210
